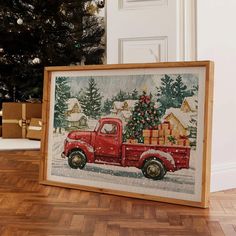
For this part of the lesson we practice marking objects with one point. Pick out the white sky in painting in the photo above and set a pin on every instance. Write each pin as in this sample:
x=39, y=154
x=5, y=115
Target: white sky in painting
x=110, y=85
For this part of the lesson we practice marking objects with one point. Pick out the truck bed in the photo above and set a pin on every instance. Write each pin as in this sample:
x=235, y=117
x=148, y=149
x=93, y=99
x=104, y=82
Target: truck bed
x=132, y=153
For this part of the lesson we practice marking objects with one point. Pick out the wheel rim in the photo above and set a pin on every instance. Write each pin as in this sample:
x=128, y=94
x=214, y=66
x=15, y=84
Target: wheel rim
x=77, y=160
x=153, y=170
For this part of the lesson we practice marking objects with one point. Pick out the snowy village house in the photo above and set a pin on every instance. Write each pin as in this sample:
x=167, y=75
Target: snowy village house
x=180, y=117
x=75, y=117
x=123, y=109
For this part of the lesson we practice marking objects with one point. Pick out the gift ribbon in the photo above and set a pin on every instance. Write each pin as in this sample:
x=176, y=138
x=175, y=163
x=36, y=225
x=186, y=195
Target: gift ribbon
x=24, y=122
x=36, y=128
x=10, y=121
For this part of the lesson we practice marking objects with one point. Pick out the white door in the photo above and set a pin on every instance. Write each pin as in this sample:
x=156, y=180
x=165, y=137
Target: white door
x=150, y=30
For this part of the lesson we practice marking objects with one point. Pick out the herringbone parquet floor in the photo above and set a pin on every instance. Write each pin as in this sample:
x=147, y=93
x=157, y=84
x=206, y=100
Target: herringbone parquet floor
x=27, y=208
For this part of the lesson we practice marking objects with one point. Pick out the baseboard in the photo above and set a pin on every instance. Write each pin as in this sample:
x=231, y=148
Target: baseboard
x=223, y=177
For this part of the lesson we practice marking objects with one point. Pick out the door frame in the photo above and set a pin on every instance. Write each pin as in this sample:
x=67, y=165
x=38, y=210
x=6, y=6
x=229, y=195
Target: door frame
x=187, y=28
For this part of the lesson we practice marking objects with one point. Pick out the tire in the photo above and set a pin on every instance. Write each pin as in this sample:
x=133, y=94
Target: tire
x=77, y=159
x=153, y=169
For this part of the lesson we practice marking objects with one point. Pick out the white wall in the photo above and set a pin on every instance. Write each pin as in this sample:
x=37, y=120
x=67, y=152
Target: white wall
x=216, y=41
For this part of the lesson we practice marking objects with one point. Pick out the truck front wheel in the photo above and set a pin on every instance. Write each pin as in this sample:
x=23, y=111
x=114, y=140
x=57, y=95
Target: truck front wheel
x=77, y=159
x=153, y=169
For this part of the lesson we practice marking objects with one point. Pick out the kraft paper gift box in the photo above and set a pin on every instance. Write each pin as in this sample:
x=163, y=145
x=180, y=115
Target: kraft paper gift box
x=155, y=133
x=34, y=130
x=165, y=126
x=161, y=141
x=187, y=142
x=150, y=133
x=128, y=141
x=146, y=133
x=181, y=142
x=154, y=140
x=16, y=117
x=161, y=133
x=167, y=132
x=146, y=140
x=134, y=141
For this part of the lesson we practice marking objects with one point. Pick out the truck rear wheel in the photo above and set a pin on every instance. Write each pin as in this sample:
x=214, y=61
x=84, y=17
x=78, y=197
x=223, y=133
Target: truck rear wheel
x=153, y=169
x=77, y=159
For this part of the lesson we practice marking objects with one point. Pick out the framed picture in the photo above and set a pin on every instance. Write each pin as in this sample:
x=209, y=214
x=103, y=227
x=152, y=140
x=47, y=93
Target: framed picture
x=136, y=130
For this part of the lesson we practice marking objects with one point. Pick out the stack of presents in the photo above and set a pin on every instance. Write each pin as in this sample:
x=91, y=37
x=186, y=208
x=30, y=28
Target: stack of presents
x=165, y=135
x=21, y=120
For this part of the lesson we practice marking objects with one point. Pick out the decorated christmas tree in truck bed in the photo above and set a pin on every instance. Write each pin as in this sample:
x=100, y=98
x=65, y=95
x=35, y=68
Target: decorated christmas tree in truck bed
x=145, y=126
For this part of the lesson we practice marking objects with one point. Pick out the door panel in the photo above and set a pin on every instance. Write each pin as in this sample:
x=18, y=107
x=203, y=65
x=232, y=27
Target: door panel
x=150, y=30
x=153, y=49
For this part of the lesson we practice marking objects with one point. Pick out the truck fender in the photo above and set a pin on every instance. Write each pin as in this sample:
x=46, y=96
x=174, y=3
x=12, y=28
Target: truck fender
x=85, y=147
x=166, y=158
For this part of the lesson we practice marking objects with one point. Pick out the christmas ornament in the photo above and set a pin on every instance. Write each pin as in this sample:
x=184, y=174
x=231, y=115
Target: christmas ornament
x=36, y=60
x=19, y=21
x=100, y=3
x=63, y=12
x=155, y=106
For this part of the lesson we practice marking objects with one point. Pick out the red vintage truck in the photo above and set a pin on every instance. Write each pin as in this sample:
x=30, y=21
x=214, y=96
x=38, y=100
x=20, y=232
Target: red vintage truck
x=104, y=145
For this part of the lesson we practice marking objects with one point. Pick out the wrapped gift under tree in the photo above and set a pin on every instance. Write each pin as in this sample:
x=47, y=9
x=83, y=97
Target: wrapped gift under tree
x=34, y=130
x=16, y=118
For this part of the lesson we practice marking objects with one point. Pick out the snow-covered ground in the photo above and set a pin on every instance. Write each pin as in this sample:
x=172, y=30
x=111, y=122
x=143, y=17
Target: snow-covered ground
x=180, y=181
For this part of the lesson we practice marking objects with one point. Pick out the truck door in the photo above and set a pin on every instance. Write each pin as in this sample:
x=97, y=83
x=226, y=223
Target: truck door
x=107, y=142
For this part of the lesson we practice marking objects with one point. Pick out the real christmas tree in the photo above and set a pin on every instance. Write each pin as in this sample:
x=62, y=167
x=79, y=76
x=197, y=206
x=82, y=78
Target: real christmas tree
x=61, y=97
x=39, y=33
x=144, y=116
x=91, y=100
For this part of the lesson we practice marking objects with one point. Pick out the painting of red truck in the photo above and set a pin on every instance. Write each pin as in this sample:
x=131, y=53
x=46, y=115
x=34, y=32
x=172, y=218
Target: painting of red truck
x=105, y=145
x=134, y=130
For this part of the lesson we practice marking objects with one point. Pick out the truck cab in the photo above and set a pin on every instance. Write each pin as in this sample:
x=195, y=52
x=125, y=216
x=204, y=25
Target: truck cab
x=102, y=144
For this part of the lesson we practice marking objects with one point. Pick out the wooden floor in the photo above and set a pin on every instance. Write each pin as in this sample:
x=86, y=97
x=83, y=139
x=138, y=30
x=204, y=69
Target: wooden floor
x=27, y=208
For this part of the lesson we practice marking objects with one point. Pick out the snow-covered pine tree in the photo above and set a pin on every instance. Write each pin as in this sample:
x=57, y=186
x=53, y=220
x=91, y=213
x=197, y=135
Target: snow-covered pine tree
x=121, y=96
x=62, y=93
x=172, y=92
x=180, y=91
x=91, y=100
x=144, y=116
x=134, y=94
x=37, y=33
x=192, y=127
x=165, y=93
x=107, y=106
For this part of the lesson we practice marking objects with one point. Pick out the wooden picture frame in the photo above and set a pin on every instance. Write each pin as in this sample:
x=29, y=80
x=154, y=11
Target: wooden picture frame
x=153, y=134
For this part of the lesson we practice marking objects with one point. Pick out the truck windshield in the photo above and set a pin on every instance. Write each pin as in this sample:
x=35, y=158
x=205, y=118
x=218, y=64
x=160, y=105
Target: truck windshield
x=97, y=126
